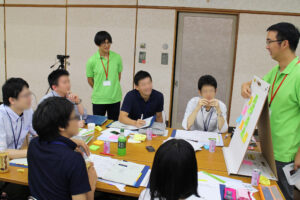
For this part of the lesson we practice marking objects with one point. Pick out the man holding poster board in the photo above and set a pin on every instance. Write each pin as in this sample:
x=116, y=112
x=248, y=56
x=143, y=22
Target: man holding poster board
x=283, y=99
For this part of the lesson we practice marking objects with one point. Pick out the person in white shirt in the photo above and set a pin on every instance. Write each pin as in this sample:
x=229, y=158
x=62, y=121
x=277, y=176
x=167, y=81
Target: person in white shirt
x=206, y=113
x=60, y=85
x=174, y=173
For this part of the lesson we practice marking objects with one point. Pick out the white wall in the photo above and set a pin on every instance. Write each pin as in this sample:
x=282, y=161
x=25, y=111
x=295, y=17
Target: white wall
x=257, y=5
x=83, y=24
x=155, y=28
x=252, y=58
x=34, y=36
x=2, y=61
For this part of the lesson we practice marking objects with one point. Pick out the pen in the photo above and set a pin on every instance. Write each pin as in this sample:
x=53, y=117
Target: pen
x=107, y=154
x=142, y=117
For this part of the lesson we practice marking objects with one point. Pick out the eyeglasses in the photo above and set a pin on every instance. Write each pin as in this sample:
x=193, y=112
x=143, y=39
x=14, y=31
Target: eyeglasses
x=268, y=42
x=105, y=43
x=77, y=118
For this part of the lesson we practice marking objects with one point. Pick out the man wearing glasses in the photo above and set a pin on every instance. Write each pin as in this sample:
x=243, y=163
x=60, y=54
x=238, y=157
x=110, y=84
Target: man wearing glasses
x=284, y=99
x=103, y=71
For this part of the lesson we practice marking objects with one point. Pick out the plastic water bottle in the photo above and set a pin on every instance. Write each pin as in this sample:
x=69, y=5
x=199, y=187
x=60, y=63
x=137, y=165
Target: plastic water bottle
x=122, y=144
x=3, y=157
x=149, y=133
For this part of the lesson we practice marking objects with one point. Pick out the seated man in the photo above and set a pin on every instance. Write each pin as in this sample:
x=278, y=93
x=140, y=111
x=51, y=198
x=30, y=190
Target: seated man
x=142, y=102
x=55, y=169
x=60, y=85
x=15, y=124
x=205, y=113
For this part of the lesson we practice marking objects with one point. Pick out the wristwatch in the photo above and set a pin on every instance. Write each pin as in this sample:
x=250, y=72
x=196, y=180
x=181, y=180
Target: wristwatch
x=80, y=100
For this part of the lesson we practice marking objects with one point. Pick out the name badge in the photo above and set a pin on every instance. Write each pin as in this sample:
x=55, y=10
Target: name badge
x=106, y=83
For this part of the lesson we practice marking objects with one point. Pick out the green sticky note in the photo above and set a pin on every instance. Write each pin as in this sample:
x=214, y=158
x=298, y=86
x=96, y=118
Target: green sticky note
x=242, y=133
x=246, y=122
x=94, y=147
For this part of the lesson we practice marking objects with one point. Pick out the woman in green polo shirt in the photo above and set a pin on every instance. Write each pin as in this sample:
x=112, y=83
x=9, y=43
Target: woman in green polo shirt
x=103, y=71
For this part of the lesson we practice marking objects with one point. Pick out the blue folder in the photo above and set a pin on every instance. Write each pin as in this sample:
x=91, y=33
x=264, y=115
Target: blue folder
x=97, y=119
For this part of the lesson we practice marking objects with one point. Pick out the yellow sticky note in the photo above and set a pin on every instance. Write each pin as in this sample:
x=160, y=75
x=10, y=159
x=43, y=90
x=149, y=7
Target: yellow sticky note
x=264, y=180
x=20, y=170
x=250, y=101
x=98, y=128
x=245, y=137
x=241, y=125
x=98, y=142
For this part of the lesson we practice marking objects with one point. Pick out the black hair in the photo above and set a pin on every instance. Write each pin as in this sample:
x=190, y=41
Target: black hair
x=141, y=75
x=101, y=36
x=174, y=171
x=286, y=31
x=207, y=80
x=12, y=88
x=53, y=113
x=55, y=75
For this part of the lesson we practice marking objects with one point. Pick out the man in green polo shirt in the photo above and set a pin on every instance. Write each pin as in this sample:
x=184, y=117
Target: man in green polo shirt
x=103, y=71
x=284, y=99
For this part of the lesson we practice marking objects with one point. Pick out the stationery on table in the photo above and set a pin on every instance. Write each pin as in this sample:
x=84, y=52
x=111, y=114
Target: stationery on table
x=118, y=171
x=112, y=134
x=19, y=162
x=149, y=121
x=198, y=136
x=97, y=119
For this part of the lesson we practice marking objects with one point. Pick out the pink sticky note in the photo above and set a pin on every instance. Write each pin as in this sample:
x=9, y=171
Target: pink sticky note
x=245, y=110
x=113, y=137
x=247, y=162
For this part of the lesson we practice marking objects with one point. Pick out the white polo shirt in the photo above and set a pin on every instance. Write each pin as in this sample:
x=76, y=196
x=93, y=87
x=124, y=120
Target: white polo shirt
x=208, y=119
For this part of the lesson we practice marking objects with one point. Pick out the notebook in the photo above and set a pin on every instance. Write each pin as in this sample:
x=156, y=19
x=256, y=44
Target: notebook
x=97, y=119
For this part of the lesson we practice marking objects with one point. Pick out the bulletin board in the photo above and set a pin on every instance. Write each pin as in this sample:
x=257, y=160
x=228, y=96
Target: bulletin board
x=255, y=113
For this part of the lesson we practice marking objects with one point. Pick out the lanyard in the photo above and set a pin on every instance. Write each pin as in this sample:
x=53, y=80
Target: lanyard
x=13, y=131
x=273, y=96
x=106, y=72
x=207, y=121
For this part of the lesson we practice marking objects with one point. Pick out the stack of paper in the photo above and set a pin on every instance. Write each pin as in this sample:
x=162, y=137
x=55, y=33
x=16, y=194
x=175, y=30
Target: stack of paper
x=22, y=162
x=112, y=134
x=200, y=136
x=119, y=171
x=118, y=124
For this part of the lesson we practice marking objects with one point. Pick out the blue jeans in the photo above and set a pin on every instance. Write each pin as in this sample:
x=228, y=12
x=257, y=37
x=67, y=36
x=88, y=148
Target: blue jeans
x=286, y=189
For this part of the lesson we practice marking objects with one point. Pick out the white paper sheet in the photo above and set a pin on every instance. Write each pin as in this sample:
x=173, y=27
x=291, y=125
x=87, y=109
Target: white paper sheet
x=196, y=145
x=118, y=124
x=292, y=176
x=200, y=136
x=107, y=134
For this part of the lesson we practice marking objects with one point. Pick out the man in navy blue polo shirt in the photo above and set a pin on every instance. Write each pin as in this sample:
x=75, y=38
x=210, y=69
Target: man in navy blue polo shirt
x=142, y=102
x=55, y=169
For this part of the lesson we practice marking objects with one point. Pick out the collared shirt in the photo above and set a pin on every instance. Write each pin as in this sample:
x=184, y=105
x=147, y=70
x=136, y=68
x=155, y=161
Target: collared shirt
x=285, y=111
x=135, y=105
x=94, y=69
x=54, y=94
x=55, y=170
x=209, y=118
x=14, y=128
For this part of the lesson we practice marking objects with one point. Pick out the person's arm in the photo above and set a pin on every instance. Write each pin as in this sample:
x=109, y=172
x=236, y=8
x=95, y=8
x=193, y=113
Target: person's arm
x=123, y=118
x=93, y=180
x=297, y=160
x=221, y=115
x=192, y=117
x=246, y=90
x=159, y=117
x=16, y=153
x=91, y=81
